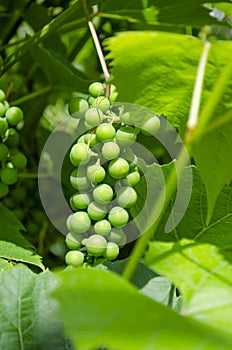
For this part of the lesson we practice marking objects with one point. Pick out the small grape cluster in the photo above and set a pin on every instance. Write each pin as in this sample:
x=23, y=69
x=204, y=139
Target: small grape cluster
x=104, y=178
x=11, y=159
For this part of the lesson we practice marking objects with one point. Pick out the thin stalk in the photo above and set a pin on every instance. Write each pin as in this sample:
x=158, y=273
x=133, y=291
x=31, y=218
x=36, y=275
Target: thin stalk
x=31, y=96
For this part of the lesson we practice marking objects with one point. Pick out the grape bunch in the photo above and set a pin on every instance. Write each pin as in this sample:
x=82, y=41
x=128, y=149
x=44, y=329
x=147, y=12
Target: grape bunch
x=103, y=178
x=11, y=159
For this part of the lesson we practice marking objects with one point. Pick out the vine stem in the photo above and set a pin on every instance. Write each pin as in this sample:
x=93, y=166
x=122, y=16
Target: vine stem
x=31, y=96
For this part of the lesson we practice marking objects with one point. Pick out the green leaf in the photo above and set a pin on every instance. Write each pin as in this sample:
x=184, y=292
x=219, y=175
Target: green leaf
x=202, y=276
x=27, y=314
x=100, y=308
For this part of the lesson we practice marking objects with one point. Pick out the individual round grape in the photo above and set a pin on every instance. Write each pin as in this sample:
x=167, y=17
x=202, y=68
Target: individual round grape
x=79, y=181
x=2, y=95
x=118, y=216
x=14, y=115
x=73, y=240
x=110, y=150
x=93, y=117
x=105, y=132
x=19, y=195
x=91, y=139
x=103, y=194
x=19, y=214
x=102, y=227
x=126, y=197
x=151, y=126
x=96, y=89
x=74, y=258
x=4, y=189
x=80, y=201
x=112, y=251
x=133, y=178
x=113, y=93
x=2, y=109
x=3, y=152
x=9, y=176
x=117, y=235
x=96, y=245
x=79, y=154
x=11, y=137
x=95, y=173
x=96, y=211
x=101, y=103
x=3, y=126
x=118, y=168
x=79, y=222
x=76, y=105
x=19, y=160
x=126, y=136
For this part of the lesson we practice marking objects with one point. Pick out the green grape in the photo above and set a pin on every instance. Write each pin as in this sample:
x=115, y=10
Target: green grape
x=102, y=227
x=14, y=115
x=101, y=103
x=4, y=189
x=90, y=100
x=105, y=132
x=18, y=160
x=80, y=201
x=126, y=197
x=118, y=168
x=76, y=105
x=2, y=109
x=93, y=117
x=19, y=195
x=113, y=93
x=3, y=126
x=3, y=152
x=79, y=154
x=133, y=178
x=96, y=211
x=95, y=173
x=19, y=214
x=151, y=126
x=11, y=137
x=110, y=150
x=78, y=222
x=2, y=95
x=125, y=118
x=118, y=216
x=117, y=235
x=96, y=245
x=126, y=136
x=74, y=258
x=103, y=194
x=79, y=181
x=112, y=251
x=91, y=139
x=9, y=176
x=96, y=89
x=32, y=229
x=73, y=240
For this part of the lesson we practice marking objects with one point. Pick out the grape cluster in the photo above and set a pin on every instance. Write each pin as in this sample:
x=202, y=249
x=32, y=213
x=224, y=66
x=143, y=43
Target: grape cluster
x=11, y=159
x=103, y=178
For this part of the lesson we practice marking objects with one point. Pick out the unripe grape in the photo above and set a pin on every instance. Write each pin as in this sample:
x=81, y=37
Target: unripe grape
x=19, y=195
x=133, y=178
x=77, y=105
x=2, y=109
x=79, y=154
x=96, y=89
x=74, y=258
x=96, y=211
x=102, y=227
x=3, y=126
x=3, y=152
x=14, y=115
x=117, y=235
x=118, y=168
x=4, y=189
x=11, y=137
x=79, y=181
x=9, y=176
x=19, y=214
x=91, y=139
x=95, y=173
x=73, y=240
x=79, y=222
x=80, y=201
x=126, y=136
x=151, y=126
x=118, y=216
x=112, y=251
x=103, y=194
x=96, y=245
x=110, y=150
x=126, y=197
x=113, y=93
x=2, y=95
x=101, y=103
x=93, y=117
x=105, y=132
x=19, y=160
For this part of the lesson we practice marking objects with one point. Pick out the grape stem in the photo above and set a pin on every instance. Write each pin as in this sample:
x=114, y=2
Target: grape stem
x=98, y=47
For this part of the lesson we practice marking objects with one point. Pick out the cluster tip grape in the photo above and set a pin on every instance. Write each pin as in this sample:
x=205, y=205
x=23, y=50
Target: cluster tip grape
x=103, y=179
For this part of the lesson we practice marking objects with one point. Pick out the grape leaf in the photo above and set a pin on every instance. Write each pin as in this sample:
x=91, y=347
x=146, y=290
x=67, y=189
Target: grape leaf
x=27, y=314
x=109, y=311
x=202, y=276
